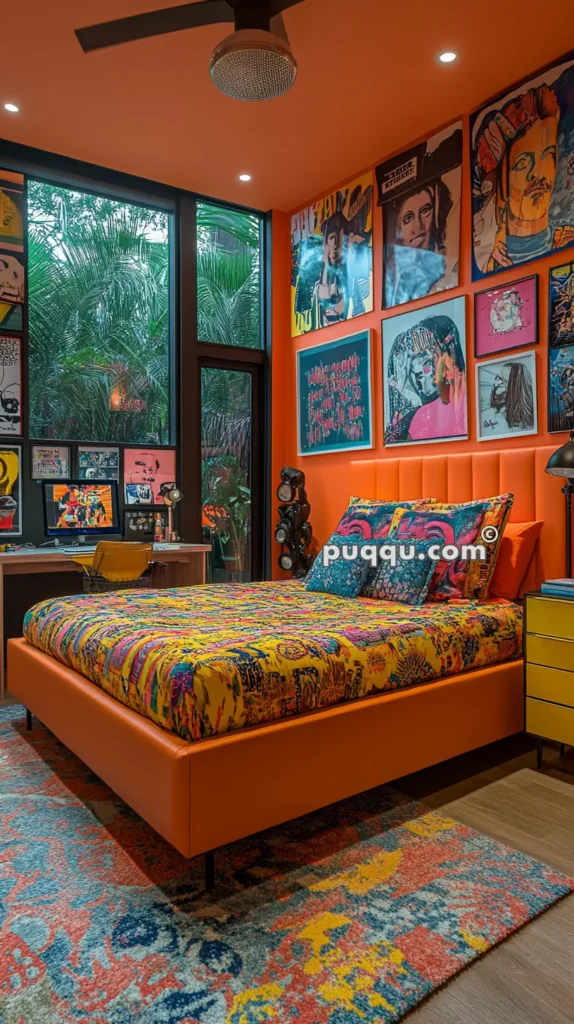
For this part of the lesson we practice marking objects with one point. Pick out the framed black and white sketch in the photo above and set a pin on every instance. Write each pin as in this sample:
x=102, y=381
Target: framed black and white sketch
x=506, y=397
x=10, y=491
x=10, y=385
x=50, y=462
x=97, y=463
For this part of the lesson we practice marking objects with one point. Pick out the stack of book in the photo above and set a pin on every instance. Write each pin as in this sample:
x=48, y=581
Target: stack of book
x=558, y=588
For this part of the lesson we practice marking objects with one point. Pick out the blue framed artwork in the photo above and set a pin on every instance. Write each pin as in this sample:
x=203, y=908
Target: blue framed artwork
x=334, y=396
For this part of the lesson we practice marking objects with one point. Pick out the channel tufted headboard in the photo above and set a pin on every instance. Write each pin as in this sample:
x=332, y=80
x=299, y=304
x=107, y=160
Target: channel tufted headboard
x=469, y=475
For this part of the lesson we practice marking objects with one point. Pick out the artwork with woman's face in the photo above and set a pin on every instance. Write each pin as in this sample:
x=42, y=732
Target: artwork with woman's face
x=424, y=374
x=419, y=191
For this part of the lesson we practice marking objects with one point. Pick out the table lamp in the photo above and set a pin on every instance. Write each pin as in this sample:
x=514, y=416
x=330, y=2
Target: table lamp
x=561, y=463
x=171, y=495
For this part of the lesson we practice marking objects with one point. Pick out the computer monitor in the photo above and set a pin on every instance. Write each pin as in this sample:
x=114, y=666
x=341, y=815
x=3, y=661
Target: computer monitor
x=80, y=508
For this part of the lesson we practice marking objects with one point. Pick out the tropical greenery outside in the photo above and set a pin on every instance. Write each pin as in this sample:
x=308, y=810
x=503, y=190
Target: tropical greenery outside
x=99, y=331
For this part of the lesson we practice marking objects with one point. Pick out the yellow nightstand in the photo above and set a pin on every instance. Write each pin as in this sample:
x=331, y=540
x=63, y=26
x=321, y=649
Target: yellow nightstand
x=549, y=668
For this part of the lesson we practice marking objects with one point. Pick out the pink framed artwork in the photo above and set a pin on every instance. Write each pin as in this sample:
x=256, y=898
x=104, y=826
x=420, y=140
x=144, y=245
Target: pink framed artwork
x=506, y=317
x=151, y=466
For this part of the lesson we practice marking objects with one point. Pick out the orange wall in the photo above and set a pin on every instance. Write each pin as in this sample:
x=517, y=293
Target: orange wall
x=327, y=479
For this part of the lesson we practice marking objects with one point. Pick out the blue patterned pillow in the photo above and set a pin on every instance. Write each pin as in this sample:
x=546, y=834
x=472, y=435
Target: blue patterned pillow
x=341, y=578
x=408, y=581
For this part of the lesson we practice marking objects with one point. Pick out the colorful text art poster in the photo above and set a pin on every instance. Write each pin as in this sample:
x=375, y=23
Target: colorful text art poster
x=522, y=165
x=420, y=192
x=425, y=374
x=334, y=396
x=332, y=258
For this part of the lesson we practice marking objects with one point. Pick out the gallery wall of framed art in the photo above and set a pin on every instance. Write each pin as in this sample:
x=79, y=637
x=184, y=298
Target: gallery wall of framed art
x=474, y=221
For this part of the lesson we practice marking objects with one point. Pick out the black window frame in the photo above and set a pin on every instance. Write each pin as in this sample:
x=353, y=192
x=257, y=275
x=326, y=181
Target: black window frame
x=188, y=353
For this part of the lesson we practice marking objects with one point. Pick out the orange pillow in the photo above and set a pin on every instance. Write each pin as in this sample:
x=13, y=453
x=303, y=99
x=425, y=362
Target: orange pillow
x=514, y=554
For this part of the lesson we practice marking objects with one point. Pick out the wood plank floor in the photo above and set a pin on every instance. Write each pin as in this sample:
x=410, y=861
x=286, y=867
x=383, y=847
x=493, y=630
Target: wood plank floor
x=529, y=978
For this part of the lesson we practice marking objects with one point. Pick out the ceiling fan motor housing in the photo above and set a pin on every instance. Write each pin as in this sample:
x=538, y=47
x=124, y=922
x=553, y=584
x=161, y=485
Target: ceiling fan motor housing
x=253, y=64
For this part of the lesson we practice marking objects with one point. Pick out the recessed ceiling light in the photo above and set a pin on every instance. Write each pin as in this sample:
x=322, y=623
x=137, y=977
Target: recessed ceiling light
x=447, y=57
x=11, y=108
x=245, y=177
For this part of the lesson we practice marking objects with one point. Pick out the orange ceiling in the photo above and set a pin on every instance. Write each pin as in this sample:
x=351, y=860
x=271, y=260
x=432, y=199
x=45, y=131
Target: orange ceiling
x=368, y=84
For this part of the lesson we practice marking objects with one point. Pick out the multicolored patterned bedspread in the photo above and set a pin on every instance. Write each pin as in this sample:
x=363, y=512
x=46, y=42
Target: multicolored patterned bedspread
x=201, y=661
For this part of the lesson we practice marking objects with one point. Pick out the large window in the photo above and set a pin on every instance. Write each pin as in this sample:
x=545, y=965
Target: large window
x=99, y=320
x=228, y=276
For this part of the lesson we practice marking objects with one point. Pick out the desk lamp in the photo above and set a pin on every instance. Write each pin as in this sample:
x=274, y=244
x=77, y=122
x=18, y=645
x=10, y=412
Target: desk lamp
x=171, y=495
x=561, y=463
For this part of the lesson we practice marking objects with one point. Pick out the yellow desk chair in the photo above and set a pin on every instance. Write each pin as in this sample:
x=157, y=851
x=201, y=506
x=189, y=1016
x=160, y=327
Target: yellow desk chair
x=116, y=565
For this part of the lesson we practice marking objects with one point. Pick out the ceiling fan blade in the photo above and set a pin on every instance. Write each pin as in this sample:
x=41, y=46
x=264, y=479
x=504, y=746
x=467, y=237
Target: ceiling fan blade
x=278, y=28
x=155, y=23
x=276, y=6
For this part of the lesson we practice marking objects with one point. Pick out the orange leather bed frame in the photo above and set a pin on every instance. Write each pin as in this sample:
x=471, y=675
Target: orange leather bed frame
x=202, y=795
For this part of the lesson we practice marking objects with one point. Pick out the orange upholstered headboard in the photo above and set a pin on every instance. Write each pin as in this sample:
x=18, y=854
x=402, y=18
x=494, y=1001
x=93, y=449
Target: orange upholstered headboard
x=471, y=475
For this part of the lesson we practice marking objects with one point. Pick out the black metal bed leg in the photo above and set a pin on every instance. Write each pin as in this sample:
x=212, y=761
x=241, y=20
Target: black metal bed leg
x=539, y=749
x=28, y=720
x=210, y=870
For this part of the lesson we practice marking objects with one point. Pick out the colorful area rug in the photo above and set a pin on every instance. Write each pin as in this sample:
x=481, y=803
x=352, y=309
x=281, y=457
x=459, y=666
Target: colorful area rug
x=347, y=916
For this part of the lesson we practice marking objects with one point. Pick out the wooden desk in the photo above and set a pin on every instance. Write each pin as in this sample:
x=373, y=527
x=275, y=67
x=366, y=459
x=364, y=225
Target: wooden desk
x=185, y=567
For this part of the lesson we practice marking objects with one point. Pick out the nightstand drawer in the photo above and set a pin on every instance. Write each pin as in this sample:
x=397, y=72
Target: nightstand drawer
x=550, y=616
x=551, y=684
x=550, y=721
x=544, y=650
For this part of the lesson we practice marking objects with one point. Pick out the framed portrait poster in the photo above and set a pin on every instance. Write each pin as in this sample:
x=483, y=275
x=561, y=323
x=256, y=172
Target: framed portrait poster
x=334, y=400
x=424, y=374
x=506, y=317
x=506, y=397
x=10, y=491
x=522, y=167
x=10, y=385
x=97, y=463
x=420, y=192
x=151, y=467
x=560, y=388
x=50, y=462
x=332, y=258
x=561, y=306
x=12, y=246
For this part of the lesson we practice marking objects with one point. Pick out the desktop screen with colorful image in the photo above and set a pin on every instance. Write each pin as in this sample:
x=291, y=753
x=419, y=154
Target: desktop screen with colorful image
x=79, y=507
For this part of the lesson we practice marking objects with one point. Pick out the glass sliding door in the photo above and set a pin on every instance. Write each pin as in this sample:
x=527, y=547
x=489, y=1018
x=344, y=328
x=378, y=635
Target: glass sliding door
x=230, y=486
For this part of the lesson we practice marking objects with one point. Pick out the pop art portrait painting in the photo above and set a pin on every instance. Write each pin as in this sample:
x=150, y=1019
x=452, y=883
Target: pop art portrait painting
x=420, y=193
x=150, y=466
x=522, y=166
x=424, y=374
x=332, y=258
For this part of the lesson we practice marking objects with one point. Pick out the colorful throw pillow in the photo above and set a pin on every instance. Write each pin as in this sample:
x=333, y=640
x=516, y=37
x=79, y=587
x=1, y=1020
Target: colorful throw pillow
x=457, y=525
x=407, y=581
x=343, y=577
x=372, y=519
x=515, y=551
